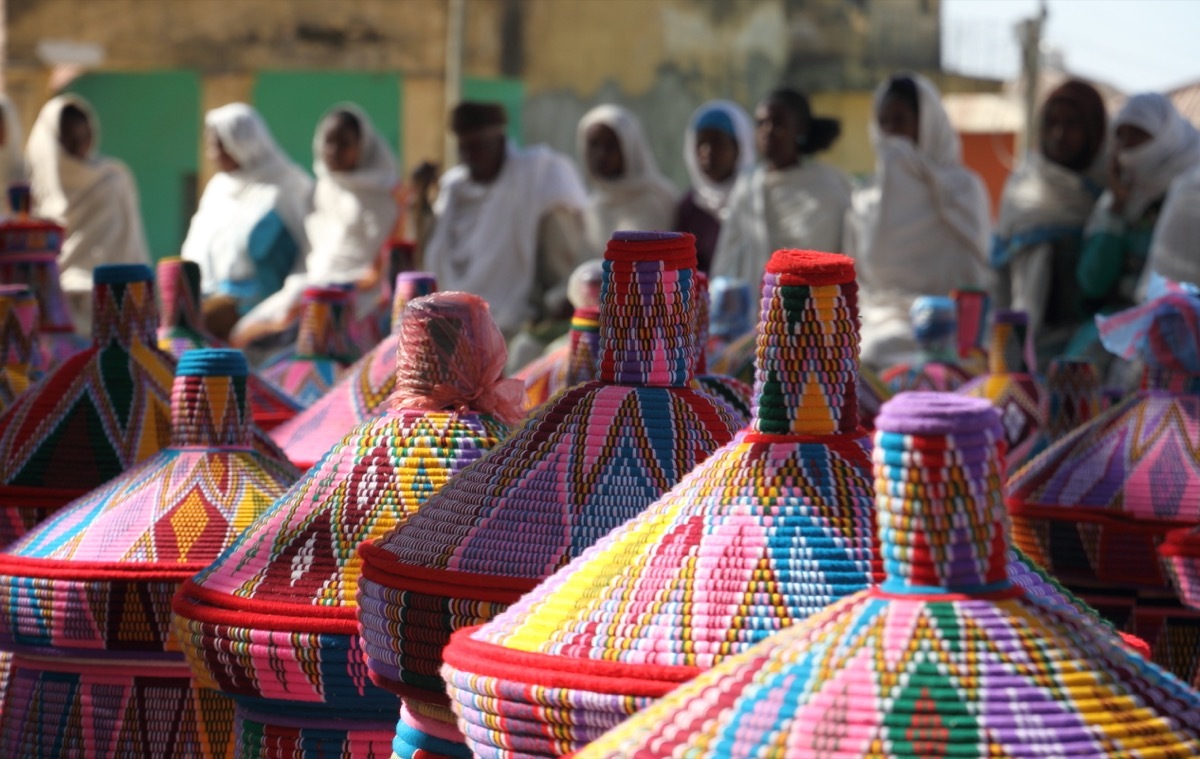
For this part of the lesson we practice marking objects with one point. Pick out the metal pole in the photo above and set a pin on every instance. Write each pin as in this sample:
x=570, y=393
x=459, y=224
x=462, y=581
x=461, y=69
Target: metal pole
x=456, y=16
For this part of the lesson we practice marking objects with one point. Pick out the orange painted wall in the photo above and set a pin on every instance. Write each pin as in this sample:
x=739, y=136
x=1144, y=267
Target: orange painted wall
x=992, y=155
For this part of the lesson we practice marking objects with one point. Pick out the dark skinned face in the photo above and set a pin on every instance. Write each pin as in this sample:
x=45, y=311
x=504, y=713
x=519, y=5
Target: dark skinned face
x=777, y=132
x=716, y=154
x=216, y=153
x=482, y=151
x=1130, y=137
x=897, y=119
x=603, y=152
x=342, y=145
x=1064, y=136
x=76, y=137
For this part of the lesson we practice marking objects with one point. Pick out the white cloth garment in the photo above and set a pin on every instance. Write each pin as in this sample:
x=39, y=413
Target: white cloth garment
x=709, y=195
x=920, y=227
x=641, y=198
x=353, y=214
x=235, y=202
x=12, y=163
x=1043, y=202
x=95, y=199
x=485, y=238
x=1175, y=247
x=799, y=207
x=1173, y=150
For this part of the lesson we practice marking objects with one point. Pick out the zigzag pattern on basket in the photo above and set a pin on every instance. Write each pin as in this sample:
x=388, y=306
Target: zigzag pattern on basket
x=590, y=458
x=29, y=251
x=95, y=415
x=946, y=658
x=569, y=365
x=18, y=342
x=323, y=349
x=359, y=394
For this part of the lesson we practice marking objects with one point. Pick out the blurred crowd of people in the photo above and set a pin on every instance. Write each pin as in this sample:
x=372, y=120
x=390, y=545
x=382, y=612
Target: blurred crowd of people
x=1101, y=213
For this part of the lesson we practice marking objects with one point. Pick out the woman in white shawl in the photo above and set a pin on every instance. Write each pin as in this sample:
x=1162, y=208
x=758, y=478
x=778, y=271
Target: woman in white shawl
x=248, y=233
x=717, y=146
x=921, y=226
x=1154, y=145
x=12, y=165
x=353, y=214
x=94, y=197
x=1046, y=202
x=792, y=200
x=628, y=191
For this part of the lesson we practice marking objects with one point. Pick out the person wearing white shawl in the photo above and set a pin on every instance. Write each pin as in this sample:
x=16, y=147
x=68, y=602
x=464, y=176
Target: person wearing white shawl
x=94, y=197
x=1046, y=202
x=628, y=191
x=353, y=215
x=921, y=226
x=507, y=225
x=791, y=200
x=717, y=146
x=1175, y=248
x=12, y=164
x=1155, y=145
x=248, y=233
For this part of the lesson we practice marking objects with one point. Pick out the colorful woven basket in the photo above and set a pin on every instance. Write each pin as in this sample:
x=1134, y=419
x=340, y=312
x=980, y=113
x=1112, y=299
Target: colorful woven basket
x=181, y=329
x=323, y=349
x=18, y=342
x=29, y=251
x=937, y=367
x=770, y=529
x=584, y=463
x=272, y=622
x=360, y=394
x=946, y=658
x=86, y=595
x=1012, y=387
x=1094, y=506
x=972, y=310
x=737, y=394
x=1073, y=387
x=93, y=416
x=566, y=366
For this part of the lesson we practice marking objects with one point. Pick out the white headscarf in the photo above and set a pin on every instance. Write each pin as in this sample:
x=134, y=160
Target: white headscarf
x=94, y=198
x=641, y=198
x=710, y=195
x=921, y=228
x=12, y=164
x=1173, y=149
x=1175, y=249
x=353, y=214
x=353, y=211
x=234, y=202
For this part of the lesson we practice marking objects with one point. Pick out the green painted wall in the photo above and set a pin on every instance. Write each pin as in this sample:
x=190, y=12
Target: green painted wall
x=508, y=92
x=152, y=121
x=292, y=102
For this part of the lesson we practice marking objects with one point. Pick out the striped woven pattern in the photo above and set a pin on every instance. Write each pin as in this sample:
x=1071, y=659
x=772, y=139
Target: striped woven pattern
x=95, y=582
x=568, y=365
x=1073, y=389
x=181, y=329
x=29, y=251
x=1012, y=387
x=272, y=621
x=18, y=342
x=937, y=367
x=946, y=658
x=1094, y=507
x=584, y=463
x=360, y=394
x=95, y=415
x=323, y=349
x=771, y=528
